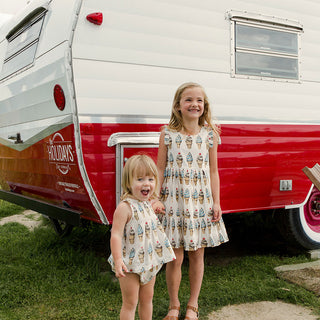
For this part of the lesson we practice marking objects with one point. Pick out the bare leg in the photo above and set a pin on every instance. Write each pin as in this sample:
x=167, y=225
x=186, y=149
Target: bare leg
x=196, y=269
x=145, y=300
x=173, y=278
x=130, y=286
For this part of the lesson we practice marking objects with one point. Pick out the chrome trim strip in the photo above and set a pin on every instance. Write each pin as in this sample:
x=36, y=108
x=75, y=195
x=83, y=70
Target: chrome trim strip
x=134, y=138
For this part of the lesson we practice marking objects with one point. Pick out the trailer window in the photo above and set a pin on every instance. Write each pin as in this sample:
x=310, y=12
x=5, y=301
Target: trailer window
x=265, y=49
x=22, y=45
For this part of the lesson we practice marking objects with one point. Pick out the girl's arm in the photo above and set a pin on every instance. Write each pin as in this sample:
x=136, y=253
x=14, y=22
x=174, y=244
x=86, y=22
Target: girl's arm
x=215, y=181
x=158, y=207
x=120, y=218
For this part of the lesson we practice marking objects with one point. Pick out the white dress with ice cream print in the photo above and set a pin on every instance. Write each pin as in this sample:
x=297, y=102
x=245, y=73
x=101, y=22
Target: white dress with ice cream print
x=145, y=246
x=186, y=192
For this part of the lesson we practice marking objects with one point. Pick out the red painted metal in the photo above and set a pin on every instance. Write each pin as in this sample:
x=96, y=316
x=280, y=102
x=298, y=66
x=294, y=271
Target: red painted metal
x=252, y=161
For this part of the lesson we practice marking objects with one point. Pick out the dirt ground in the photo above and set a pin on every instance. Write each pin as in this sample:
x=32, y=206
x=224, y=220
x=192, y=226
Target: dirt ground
x=264, y=310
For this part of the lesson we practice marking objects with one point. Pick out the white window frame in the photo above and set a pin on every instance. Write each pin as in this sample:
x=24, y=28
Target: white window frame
x=15, y=57
x=265, y=22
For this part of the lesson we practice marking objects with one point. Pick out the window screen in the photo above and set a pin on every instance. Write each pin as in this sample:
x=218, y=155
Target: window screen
x=266, y=50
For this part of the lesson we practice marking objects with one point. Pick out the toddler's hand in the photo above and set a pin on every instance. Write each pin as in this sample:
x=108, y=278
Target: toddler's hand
x=120, y=269
x=158, y=207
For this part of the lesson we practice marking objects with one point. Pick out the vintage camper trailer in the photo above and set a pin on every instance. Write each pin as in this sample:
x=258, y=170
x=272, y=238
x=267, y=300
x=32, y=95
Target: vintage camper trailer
x=86, y=84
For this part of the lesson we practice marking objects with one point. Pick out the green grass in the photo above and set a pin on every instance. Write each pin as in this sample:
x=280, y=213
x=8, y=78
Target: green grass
x=9, y=209
x=45, y=277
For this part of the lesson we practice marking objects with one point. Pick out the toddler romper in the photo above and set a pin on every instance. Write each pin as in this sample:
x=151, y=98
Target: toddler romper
x=186, y=192
x=145, y=246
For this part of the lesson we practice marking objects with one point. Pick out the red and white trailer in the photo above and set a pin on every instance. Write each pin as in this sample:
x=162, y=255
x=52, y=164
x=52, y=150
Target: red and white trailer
x=86, y=84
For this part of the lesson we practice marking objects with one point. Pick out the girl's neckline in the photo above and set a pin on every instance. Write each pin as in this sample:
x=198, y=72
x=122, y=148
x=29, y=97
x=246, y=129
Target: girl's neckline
x=191, y=134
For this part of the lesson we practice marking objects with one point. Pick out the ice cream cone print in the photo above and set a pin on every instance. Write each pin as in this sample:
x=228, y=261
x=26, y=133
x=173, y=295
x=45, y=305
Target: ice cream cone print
x=203, y=226
x=140, y=232
x=186, y=196
x=201, y=213
x=178, y=140
x=204, y=178
x=191, y=228
x=187, y=177
x=147, y=230
x=189, y=142
x=173, y=225
x=178, y=212
x=135, y=213
x=179, y=160
x=200, y=160
x=181, y=175
x=154, y=227
x=132, y=255
x=170, y=212
x=206, y=159
x=195, y=214
x=201, y=197
x=204, y=243
x=208, y=196
x=159, y=249
x=192, y=245
x=165, y=194
x=131, y=236
x=195, y=178
x=168, y=141
x=124, y=251
x=198, y=141
x=179, y=225
x=189, y=159
x=150, y=251
x=165, y=223
x=177, y=194
x=141, y=255
x=207, y=144
x=195, y=197
x=170, y=159
x=147, y=208
x=187, y=214
x=185, y=227
x=176, y=175
x=209, y=225
x=141, y=209
x=173, y=243
x=168, y=245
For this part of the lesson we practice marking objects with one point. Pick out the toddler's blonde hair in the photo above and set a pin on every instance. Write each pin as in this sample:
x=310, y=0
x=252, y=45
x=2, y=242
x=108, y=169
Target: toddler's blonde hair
x=176, y=121
x=137, y=166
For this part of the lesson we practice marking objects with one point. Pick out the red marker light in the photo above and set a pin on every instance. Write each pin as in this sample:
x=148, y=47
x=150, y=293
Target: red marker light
x=95, y=18
x=59, y=97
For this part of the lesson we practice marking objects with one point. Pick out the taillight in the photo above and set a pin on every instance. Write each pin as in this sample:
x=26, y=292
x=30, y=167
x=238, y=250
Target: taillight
x=95, y=18
x=59, y=97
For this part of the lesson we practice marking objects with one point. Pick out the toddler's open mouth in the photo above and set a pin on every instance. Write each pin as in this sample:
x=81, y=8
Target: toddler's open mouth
x=145, y=192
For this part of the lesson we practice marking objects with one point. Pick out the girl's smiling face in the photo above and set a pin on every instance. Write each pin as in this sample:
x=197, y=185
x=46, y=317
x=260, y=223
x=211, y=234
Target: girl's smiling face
x=191, y=103
x=142, y=187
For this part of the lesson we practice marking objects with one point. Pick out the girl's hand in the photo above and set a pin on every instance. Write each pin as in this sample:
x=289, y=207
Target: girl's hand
x=217, y=213
x=158, y=207
x=120, y=268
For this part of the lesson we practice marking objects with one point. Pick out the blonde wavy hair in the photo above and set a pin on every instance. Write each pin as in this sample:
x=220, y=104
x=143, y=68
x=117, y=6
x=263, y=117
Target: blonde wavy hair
x=137, y=166
x=176, y=121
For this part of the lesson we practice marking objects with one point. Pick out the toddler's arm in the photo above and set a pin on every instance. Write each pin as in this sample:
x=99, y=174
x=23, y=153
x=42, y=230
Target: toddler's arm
x=120, y=218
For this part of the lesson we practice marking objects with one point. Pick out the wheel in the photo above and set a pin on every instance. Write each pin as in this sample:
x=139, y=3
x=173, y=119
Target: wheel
x=61, y=228
x=302, y=225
